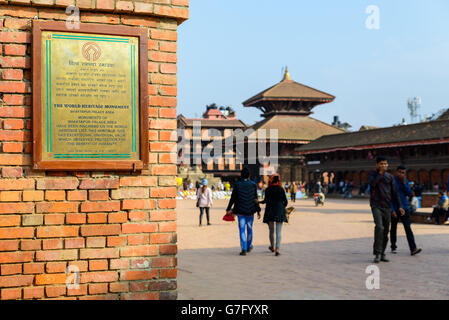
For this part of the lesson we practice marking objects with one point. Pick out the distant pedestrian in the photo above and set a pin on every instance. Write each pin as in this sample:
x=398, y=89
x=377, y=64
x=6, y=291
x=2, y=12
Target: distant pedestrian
x=275, y=216
x=405, y=192
x=204, y=201
x=242, y=204
x=293, y=190
x=441, y=207
x=383, y=193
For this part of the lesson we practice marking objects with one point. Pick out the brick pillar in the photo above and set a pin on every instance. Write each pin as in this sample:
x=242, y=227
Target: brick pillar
x=118, y=228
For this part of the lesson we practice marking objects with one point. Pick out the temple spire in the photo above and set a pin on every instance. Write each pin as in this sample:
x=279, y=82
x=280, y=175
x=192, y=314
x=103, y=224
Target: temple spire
x=286, y=75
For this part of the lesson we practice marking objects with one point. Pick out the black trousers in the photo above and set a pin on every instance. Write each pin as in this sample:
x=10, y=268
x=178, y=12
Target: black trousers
x=382, y=219
x=436, y=214
x=202, y=212
x=293, y=196
x=408, y=230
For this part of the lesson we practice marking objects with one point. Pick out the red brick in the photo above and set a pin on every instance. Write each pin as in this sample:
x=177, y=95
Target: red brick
x=51, y=244
x=98, y=288
x=77, y=195
x=98, y=195
x=55, y=278
x=15, y=135
x=130, y=193
x=54, y=219
x=96, y=242
x=56, y=207
x=167, y=204
x=100, y=206
x=138, y=181
x=100, y=230
x=117, y=217
x=139, y=251
x=105, y=4
x=116, y=241
x=169, y=68
x=161, y=238
x=12, y=74
x=9, y=245
x=136, y=239
x=106, y=253
x=16, y=184
x=169, y=113
x=16, y=233
x=32, y=195
x=85, y=4
x=138, y=204
x=126, y=6
x=74, y=243
x=81, y=291
x=56, y=267
x=119, y=264
x=15, y=50
x=75, y=218
x=169, y=249
x=8, y=196
x=12, y=172
x=139, y=286
x=54, y=184
x=139, y=228
x=55, y=291
x=55, y=195
x=164, y=35
x=162, y=170
x=139, y=275
x=118, y=287
x=167, y=227
x=99, y=183
x=159, y=56
x=15, y=159
x=16, y=281
x=102, y=276
x=33, y=293
x=98, y=265
x=55, y=255
x=164, y=192
x=33, y=268
x=80, y=265
x=57, y=232
x=9, y=269
x=140, y=296
x=11, y=294
x=14, y=124
x=168, y=273
x=163, y=262
x=136, y=216
x=140, y=7
x=162, y=146
x=99, y=18
x=140, y=21
x=30, y=245
x=16, y=62
x=168, y=46
x=12, y=147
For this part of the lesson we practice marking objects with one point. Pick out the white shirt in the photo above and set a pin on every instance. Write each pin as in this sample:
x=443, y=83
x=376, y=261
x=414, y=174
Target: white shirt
x=204, y=199
x=414, y=202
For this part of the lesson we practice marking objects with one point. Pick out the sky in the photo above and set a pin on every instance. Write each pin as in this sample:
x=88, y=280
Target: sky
x=230, y=50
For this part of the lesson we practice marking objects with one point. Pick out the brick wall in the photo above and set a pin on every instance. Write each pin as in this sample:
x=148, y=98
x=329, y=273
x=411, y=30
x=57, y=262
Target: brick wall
x=118, y=228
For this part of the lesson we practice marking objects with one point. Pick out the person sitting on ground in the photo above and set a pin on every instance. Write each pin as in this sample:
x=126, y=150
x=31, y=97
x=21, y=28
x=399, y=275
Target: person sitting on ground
x=441, y=208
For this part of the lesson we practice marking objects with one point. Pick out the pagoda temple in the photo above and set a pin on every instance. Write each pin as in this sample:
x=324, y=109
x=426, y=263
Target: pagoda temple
x=287, y=107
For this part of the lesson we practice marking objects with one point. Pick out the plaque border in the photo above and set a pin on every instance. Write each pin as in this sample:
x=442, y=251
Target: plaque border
x=72, y=165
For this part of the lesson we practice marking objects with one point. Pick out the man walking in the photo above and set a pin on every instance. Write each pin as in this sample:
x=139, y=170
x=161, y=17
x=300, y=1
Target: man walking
x=383, y=193
x=242, y=198
x=405, y=192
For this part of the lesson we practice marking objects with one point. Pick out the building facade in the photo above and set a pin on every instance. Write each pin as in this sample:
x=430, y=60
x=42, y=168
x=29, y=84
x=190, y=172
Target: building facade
x=423, y=148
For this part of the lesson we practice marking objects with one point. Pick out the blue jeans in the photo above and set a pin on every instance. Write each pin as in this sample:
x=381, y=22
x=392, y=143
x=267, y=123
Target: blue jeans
x=246, y=236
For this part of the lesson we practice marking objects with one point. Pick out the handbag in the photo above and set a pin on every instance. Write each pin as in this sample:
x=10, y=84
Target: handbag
x=288, y=211
x=229, y=217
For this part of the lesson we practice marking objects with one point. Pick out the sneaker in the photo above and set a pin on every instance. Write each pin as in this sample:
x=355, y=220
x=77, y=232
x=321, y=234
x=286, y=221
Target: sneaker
x=250, y=249
x=277, y=253
x=208, y=224
x=393, y=251
x=384, y=258
x=416, y=251
x=243, y=253
x=376, y=258
x=271, y=249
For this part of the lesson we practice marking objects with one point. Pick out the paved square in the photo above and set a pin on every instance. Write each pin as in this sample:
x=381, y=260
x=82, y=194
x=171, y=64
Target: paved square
x=324, y=254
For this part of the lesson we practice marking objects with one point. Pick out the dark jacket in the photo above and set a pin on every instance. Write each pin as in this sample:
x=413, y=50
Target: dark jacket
x=404, y=193
x=276, y=201
x=383, y=190
x=242, y=198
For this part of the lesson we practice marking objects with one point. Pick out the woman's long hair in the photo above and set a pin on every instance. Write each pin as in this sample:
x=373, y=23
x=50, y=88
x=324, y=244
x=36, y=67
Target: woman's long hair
x=275, y=180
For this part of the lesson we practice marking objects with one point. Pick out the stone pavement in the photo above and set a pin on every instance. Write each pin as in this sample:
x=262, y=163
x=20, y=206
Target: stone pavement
x=324, y=254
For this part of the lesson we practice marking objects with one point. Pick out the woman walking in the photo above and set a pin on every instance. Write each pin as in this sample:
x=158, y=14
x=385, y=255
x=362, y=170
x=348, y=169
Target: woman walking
x=204, y=201
x=276, y=201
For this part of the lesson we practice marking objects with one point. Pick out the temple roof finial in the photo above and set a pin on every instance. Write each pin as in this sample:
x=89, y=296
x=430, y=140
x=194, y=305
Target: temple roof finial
x=286, y=75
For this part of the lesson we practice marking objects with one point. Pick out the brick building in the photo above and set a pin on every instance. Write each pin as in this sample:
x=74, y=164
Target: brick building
x=423, y=148
x=118, y=228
